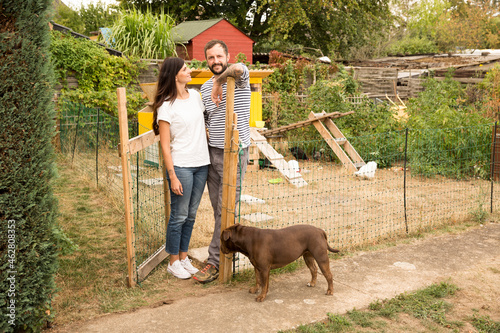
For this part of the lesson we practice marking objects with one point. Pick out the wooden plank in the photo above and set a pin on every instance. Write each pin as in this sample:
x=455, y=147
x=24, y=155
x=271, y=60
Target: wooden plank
x=268, y=151
x=227, y=271
x=346, y=161
x=303, y=123
x=348, y=148
x=225, y=262
x=277, y=160
x=150, y=90
x=148, y=108
x=166, y=187
x=149, y=264
x=125, y=158
x=142, y=141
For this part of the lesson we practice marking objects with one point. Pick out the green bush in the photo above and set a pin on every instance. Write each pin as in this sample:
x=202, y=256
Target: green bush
x=98, y=74
x=413, y=45
x=369, y=126
x=94, y=68
x=490, y=87
x=28, y=233
x=448, y=136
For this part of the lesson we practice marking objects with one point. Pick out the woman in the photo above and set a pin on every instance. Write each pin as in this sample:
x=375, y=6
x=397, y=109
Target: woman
x=178, y=118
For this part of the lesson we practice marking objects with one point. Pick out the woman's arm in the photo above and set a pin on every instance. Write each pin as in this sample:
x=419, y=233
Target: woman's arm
x=175, y=184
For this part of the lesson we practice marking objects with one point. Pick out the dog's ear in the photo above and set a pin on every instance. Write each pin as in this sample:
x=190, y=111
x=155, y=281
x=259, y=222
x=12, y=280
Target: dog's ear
x=226, y=234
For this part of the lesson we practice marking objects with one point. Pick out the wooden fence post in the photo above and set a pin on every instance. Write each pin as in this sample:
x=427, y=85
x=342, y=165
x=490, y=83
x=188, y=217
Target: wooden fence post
x=125, y=157
x=166, y=188
x=229, y=177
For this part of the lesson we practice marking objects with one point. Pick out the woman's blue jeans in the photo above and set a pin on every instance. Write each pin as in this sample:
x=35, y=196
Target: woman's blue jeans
x=183, y=207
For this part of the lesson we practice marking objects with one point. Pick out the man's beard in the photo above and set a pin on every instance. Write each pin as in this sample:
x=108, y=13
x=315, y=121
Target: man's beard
x=224, y=67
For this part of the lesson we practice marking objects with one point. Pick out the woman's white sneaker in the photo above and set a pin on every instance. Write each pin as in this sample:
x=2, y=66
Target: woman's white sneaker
x=186, y=263
x=177, y=270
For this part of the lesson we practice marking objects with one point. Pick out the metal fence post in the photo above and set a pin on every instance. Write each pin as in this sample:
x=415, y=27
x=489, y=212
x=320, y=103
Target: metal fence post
x=493, y=153
x=404, y=182
x=97, y=148
x=76, y=132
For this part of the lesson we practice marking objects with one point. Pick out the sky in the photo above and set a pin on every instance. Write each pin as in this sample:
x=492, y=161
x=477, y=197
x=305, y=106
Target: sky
x=76, y=4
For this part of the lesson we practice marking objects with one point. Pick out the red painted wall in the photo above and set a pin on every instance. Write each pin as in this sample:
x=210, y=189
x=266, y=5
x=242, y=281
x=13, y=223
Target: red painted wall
x=235, y=40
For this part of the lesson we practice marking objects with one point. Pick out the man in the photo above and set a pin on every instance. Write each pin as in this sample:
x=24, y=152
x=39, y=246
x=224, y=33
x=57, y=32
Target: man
x=214, y=98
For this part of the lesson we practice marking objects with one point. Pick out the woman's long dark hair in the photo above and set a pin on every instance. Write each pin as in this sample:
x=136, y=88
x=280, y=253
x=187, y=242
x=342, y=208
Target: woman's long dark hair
x=166, y=90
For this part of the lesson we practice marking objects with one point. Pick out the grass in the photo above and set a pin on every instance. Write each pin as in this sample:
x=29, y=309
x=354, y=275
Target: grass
x=425, y=304
x=485, y=324
x=429, y=306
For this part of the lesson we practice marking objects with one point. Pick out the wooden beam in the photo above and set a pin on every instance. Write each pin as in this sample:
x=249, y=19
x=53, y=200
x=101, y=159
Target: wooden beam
x=149, y=264
x=166, y=188
x=126, y=176
x=341, y=139
x=303, y=123
x=229, y=169
x=142, y=141
x=346, y=161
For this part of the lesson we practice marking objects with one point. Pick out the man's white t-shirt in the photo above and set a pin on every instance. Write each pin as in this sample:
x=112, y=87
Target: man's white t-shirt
x=188, y=139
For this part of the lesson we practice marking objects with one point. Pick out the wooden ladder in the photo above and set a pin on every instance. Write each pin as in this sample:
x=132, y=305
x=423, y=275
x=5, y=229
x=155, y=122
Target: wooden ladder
x=338, y=142
x=277, y=160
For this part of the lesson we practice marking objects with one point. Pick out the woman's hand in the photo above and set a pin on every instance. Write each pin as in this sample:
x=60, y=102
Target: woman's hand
x=175, y=185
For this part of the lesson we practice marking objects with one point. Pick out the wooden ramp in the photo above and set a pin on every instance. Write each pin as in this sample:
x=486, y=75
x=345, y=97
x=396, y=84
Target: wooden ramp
x=338, y=142
x=277, y=160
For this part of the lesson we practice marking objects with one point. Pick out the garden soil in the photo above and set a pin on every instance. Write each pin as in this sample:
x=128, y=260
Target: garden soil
x=469, y=259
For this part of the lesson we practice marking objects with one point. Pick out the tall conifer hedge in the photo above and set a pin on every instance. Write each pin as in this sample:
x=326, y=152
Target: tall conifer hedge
x=28, y=247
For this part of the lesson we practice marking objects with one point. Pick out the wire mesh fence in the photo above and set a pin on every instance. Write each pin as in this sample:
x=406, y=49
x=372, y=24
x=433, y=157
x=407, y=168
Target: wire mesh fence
x=425, y=178
x=89, y=138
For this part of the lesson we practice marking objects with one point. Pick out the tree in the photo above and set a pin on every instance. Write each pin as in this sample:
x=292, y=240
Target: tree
x=464, y=26
x=28, y=231
x=69, y=18
x=334, y=27
x=87, y=18
x=445, y=25
x=330, y=26
x=98, y=15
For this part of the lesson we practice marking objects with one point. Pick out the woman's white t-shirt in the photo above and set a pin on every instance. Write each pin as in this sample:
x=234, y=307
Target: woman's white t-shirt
x=188, y=139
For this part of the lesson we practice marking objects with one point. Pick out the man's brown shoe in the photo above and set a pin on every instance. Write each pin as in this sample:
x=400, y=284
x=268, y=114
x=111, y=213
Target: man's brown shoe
x=207, y=274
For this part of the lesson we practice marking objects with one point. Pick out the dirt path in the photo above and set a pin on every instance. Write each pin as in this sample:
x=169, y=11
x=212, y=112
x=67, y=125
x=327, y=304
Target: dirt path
x=471, y=260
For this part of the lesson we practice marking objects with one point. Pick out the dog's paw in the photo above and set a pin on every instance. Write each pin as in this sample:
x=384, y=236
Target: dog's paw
x=311, y=284
x=329, y=292
x=253, y=290
x=260, y=298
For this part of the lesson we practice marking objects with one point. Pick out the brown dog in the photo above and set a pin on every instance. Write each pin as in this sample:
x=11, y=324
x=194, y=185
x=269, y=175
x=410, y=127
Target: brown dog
x=268, y=249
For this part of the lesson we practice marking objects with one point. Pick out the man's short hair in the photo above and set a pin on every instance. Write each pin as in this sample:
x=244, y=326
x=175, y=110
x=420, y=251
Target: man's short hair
x=214, y=42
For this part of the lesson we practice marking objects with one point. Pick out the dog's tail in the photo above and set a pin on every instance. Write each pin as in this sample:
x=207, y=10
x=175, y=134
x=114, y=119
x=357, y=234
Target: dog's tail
x=332, y=249
x=329, y=248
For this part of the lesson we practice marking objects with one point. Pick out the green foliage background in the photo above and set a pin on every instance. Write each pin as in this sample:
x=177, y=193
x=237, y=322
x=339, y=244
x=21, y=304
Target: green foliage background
x=26, y=168
x=98, y=74
x=86, y=19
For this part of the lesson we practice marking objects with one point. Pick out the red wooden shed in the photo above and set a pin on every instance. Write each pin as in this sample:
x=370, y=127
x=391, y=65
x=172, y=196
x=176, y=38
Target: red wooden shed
x=195, y=34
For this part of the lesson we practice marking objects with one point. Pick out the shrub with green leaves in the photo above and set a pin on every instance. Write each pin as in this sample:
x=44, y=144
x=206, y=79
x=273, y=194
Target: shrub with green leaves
x=448, y=136
x=98, y=74
x=413, y=45
x=28, y=232
x=94, y=68
x=490, y=87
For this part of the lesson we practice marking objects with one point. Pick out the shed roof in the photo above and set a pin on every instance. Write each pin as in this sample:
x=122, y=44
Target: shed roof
x=186, y=31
